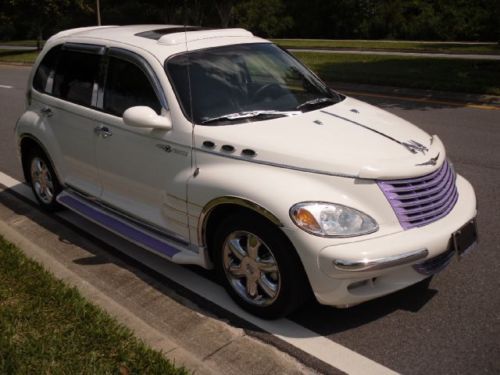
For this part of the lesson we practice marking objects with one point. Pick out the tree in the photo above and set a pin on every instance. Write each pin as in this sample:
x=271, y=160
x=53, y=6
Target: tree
x=264, y=17
x=40, y=16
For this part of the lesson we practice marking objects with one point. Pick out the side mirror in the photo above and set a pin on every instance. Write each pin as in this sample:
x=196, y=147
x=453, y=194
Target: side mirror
x=146, y=117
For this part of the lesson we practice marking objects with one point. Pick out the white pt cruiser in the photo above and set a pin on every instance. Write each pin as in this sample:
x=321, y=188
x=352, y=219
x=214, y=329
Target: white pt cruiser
x=219, y=149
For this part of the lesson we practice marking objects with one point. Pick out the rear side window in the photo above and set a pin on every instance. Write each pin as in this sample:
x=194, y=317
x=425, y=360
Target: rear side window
x=46, y=70
x=127, y=86
x=75, y=76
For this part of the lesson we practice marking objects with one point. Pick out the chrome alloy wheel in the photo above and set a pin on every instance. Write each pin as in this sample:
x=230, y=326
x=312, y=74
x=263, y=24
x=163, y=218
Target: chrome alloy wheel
x=251, y=268
x=42, y=181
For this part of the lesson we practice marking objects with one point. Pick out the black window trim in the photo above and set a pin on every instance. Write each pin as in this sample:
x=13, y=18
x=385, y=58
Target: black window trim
x=93, y=49
x=99, y=84
x=141, y=63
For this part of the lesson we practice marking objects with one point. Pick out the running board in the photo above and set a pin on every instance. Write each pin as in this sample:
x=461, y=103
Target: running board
x=131, y=231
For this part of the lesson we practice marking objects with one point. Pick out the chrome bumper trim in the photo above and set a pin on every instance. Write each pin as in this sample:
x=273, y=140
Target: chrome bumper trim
x=380, y=263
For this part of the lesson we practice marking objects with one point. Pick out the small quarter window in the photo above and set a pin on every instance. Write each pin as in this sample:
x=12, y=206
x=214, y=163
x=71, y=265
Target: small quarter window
x=127, y=86
x=75, y=76
x=45, y=69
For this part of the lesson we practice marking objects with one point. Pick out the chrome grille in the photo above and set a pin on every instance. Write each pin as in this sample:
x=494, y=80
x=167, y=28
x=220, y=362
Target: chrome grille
x=422, y=200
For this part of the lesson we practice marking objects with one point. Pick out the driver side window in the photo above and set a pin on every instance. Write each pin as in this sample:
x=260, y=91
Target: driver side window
x=127, y=86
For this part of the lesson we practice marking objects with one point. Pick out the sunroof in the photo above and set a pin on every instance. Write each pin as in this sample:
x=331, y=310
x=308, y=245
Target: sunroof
x=157, y=34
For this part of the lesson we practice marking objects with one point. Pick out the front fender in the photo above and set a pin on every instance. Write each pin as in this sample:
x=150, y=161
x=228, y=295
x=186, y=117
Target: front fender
x=275, y=190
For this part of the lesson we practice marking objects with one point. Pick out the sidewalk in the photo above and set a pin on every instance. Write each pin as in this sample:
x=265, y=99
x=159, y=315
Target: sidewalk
x=159, y=316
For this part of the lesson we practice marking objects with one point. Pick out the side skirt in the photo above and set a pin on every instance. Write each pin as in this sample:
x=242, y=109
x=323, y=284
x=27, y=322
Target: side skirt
x=119, y=225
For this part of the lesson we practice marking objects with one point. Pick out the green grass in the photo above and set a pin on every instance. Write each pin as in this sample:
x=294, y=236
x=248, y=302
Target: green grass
x=24, y=57
x=474, y=76
x=23, y=43
x=385, y=45
x=48, y=328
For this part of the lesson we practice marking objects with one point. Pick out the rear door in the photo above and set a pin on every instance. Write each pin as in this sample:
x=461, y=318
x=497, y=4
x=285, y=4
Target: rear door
x=69, y=110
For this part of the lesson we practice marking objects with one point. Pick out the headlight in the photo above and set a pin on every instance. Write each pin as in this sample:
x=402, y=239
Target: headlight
x=331, y=220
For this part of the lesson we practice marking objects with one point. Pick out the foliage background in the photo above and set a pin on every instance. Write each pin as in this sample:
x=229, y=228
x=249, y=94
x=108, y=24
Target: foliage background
x=477, y=20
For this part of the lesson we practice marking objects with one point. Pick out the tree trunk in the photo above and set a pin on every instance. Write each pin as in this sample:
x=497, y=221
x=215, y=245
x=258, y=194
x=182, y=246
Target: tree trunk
x=39, y=39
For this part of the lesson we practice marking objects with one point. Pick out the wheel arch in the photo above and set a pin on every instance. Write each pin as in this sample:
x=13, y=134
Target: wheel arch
x=214, y=210
x=27, y=143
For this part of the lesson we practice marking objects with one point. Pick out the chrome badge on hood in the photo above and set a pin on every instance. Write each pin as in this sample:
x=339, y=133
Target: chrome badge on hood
x=431, y=161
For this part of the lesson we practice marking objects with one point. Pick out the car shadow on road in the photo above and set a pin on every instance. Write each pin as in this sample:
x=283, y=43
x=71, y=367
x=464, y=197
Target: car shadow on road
x=327, y=320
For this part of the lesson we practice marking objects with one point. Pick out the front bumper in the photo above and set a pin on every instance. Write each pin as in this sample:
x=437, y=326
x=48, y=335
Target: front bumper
x=359, y=271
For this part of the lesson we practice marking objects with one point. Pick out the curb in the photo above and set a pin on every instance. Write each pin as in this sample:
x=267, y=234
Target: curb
x=148, y=334
x=163, y=319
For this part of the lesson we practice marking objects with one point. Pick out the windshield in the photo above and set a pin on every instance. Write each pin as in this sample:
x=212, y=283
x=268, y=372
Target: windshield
x=243, y=83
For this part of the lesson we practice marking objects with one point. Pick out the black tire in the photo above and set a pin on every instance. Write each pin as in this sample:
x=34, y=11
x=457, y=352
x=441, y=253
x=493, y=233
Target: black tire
x=47, y=201
x=290, y=281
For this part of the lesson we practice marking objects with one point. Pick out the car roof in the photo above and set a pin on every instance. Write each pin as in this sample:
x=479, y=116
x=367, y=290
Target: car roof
x=160, y=40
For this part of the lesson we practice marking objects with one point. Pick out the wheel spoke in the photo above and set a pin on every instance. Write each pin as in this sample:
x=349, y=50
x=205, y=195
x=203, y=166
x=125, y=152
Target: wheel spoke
x=253, y=244
x=252, y=287
x=236, y=249
x=50, y=184
x=48, y=193
x=268, y=287
x=38, y=166
x=267, y=266
x=236, y=270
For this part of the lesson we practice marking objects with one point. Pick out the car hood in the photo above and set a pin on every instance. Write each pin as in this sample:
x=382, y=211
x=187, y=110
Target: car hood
x=350, y=138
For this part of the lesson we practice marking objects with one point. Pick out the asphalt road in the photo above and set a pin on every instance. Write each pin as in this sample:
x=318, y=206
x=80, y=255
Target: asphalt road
x=454, y=326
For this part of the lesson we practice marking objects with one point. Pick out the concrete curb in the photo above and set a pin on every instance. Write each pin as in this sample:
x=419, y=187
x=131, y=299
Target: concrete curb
x=148, y=334
x=156, y=314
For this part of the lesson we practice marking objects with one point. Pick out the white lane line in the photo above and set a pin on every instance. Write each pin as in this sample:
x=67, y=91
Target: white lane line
x=300, y=337
x=6, y=87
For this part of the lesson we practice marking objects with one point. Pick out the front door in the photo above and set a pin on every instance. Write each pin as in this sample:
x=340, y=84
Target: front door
x=143, y=171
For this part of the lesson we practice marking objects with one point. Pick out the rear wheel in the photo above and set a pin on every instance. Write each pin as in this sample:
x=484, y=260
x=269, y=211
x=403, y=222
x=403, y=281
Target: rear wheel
x=258, y=266
x=43, y=180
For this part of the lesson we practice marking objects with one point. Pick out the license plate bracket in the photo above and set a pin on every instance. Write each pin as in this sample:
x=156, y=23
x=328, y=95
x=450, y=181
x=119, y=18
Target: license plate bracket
x=465, y=238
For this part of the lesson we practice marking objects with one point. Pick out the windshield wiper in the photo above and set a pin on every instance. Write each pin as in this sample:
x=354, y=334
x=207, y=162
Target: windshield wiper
x=250, y=114
x=315, y=102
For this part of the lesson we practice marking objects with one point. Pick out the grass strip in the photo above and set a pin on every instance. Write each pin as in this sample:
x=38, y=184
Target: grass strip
x=22, y=43
x=389, y=45
x=17, y=56
x=47, y=327
x=471, y=76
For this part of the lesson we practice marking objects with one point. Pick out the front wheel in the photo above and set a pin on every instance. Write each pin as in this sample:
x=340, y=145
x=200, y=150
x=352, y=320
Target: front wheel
x=258, y=266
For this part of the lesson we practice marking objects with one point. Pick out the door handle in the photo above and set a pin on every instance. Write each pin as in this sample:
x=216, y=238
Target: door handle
x=47, y=111
x=103, y=131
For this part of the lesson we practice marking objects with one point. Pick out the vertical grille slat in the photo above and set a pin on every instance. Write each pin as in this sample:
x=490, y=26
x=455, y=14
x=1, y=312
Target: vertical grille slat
x=422, y=200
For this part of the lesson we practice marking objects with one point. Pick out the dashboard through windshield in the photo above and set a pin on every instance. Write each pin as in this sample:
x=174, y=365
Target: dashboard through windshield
x=243, y=83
